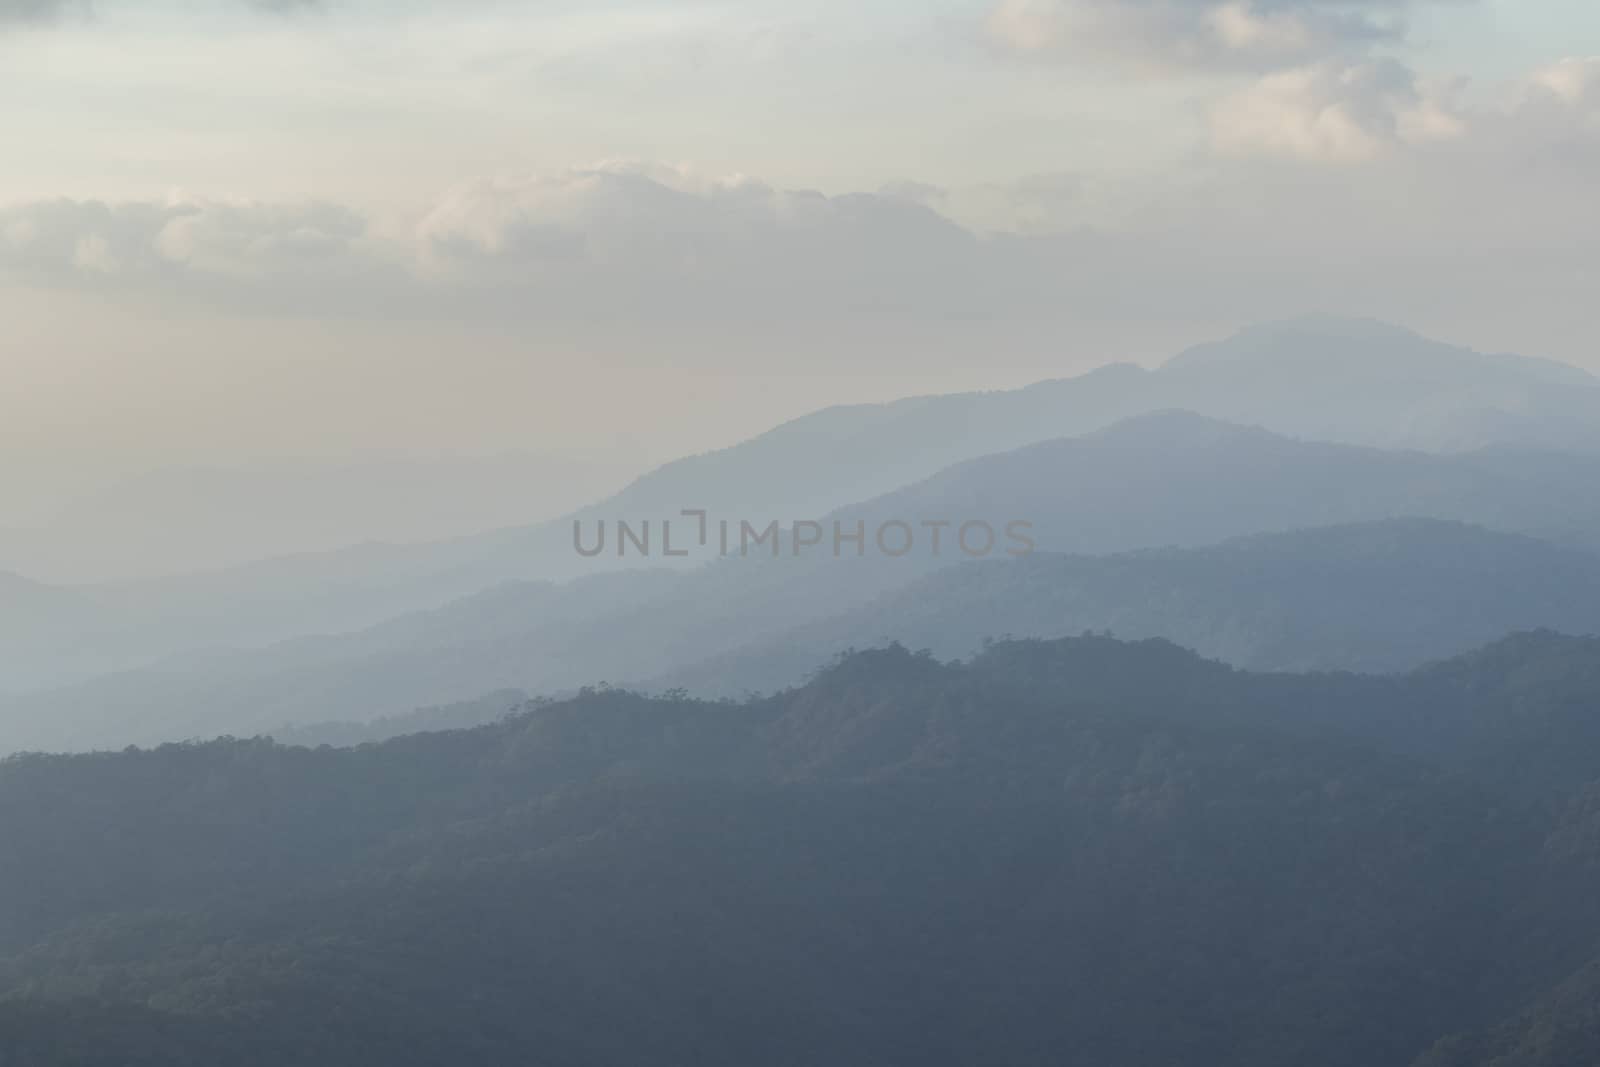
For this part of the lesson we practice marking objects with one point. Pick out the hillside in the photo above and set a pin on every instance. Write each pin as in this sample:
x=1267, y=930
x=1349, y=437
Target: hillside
x=615, y=879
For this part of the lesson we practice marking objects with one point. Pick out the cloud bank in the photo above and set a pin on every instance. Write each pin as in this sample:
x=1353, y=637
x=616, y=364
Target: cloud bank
x=1338, y=112
x=65, y=240
x=1323, y=92
x=1344, y=184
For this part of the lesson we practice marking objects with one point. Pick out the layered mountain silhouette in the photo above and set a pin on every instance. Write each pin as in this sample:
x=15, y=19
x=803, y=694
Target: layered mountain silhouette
x=1176, y=478
x=1172, y=479
x=1317, y=781
x=1314, y=378
x=1375, y=597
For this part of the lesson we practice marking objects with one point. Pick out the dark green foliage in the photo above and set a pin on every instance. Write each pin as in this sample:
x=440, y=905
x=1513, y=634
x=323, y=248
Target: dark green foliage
x=1082, y=851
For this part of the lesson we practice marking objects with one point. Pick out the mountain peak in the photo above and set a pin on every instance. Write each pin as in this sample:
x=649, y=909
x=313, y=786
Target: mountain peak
x=1324, y=344
x=1287, y=337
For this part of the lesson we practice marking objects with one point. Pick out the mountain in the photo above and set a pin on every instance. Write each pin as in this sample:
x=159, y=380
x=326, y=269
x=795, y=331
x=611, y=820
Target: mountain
x=1558, y=1030
x=1359, y=381
x=1176, y=478
x=1318, y=378
x=462, y=715
x=534, y=636
x=31, y=606
x=806, y=467
x=1322, y=378
x=37, y=621
x=1374, y=597
x=1117, y=848
x=1170, y=479
x=1516, y=715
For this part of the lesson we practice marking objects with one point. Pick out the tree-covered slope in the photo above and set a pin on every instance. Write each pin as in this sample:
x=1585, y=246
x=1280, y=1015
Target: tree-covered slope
x=1119, y=850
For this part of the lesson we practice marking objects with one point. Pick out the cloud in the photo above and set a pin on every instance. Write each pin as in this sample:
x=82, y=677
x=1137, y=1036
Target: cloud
x=614, y=241
x=1552, y=120
x=1386, y=168
x=1247, y=35
x=661, y=239
x=1030, y=204
x=1342, y=112
x=1413, y=226
x=1574, y=81
x=1350, y=112
x=67, y=241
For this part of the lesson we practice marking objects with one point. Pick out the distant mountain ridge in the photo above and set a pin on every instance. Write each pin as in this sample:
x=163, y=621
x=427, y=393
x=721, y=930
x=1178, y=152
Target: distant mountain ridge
x=1372, y=597
x=1164, y=480
x=1175, y=478
x=1307, y=342
x=1333, y=380
x=1359, y=381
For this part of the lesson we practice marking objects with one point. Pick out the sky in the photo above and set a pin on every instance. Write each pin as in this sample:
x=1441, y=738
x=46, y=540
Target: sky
x=242, y=232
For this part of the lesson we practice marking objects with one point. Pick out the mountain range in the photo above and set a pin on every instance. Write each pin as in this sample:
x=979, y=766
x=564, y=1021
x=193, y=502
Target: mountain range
x=1377, y=597
x=1121, y=849
x=1316, y=378
x=1386, y=597
x=1265, y=733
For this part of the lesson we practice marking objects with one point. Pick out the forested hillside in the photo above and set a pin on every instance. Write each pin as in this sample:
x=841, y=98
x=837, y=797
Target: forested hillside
x=1117, y=849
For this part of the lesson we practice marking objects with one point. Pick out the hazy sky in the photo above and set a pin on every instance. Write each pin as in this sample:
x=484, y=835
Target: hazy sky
x=244, y=230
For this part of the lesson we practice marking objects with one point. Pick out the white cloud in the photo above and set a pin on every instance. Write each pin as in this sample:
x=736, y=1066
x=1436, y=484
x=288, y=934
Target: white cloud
x=252, y=240
x=648, y=243
x=1343, y=112
x=1358, y=111
x=92, y=254
x=1034, y=203
x=648, y=246
x=662, y=240
x=1575, y=81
